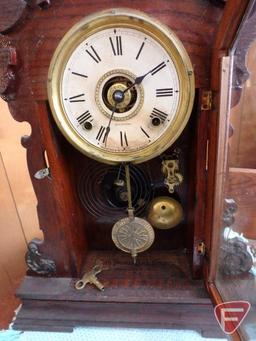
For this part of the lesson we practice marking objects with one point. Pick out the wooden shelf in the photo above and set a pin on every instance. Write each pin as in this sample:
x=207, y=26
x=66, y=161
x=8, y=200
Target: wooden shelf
x=158, y=276
x=156, y=292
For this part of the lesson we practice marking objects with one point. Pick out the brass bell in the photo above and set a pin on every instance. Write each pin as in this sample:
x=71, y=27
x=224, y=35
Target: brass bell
x=164, y=213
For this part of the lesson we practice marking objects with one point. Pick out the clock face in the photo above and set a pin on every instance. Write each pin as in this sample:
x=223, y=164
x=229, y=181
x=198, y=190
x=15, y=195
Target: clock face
x=106, y=64
x=120, y=89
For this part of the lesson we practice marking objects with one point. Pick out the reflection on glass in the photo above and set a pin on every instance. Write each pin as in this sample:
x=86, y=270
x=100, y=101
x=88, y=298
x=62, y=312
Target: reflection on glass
x=236, y=274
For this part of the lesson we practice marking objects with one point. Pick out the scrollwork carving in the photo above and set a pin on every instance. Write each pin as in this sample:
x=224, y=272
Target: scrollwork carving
x=229, y=211
x=235, y=259
x=8, y=62
x=235, y=254
x=41, y=3
x=37, y=262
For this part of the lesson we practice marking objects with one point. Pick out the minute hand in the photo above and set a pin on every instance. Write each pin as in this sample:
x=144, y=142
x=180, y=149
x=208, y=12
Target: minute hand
x=139, y=79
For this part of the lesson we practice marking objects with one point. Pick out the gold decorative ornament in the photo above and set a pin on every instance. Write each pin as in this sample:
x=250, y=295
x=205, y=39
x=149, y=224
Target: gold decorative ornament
x=116, y=117
x=173, y=177
x=165, y=213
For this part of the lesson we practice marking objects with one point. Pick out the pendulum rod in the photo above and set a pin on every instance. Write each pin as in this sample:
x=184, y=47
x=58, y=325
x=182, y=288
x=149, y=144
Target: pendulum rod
x=129, y=191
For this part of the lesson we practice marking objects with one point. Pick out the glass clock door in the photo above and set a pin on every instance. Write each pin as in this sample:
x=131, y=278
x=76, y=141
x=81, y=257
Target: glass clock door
x=232, y=272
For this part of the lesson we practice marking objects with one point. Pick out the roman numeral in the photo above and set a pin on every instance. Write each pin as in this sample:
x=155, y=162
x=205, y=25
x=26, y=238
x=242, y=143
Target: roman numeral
x=79, y=74
x=158, y=68
x=139, y=52
x=159, y=114
x=144, y=131
x=123, y=139
x=76, y=98
x=93, y=54
x=165, y=92
x=116, y=46
x=84, y=117
x=101, y=134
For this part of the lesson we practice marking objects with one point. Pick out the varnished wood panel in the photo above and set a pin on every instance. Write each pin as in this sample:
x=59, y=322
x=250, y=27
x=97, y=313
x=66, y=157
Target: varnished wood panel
x=39, y=35
x=65, y=316
x=159, y=276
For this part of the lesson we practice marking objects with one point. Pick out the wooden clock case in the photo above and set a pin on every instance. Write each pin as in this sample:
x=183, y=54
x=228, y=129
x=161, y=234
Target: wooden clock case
x=76, y=206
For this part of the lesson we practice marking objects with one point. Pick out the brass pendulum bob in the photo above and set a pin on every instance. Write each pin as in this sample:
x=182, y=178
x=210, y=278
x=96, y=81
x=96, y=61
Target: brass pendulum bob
x=132, y=234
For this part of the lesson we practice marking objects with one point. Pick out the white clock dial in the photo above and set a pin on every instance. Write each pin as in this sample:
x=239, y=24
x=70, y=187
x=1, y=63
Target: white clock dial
x=109, y=61
x=121, y=86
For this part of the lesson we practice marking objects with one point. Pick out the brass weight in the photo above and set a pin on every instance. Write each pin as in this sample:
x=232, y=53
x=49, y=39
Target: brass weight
x=164, y=213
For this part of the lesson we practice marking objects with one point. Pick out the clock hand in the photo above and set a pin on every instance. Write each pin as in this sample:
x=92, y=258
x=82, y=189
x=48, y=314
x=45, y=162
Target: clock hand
x=118, y=97
x=108, y=127
x=138, y=80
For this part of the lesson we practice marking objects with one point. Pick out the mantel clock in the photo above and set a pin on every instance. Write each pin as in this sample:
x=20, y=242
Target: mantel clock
x=130, y=114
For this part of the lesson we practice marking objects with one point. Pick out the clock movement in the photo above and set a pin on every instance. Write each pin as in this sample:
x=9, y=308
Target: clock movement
x=127, y=157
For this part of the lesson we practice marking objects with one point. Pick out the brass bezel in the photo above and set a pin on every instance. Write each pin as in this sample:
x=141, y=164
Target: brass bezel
x=163, y=35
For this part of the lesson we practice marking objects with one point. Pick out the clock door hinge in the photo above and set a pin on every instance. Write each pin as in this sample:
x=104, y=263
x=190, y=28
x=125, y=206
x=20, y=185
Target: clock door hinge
x=206, y=100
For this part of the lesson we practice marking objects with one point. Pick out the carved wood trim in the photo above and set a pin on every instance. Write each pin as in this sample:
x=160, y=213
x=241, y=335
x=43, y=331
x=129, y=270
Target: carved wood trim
x=37, y=262
x=44, y=4
x=8, y=64
x=12, y=12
